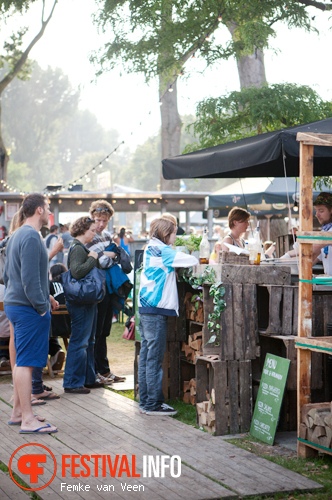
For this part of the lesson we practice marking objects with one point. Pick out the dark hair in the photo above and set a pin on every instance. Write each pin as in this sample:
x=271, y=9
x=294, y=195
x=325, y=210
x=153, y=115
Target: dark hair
x=57, y=270
x=80, y=226
x=54, y=228
x=30, y=204
x=122, y=232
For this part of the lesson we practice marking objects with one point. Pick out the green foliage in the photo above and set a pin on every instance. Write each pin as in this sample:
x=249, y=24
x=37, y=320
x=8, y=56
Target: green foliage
x=157, y=37
x=256, y=110
x=216, y=291
x=191, y=242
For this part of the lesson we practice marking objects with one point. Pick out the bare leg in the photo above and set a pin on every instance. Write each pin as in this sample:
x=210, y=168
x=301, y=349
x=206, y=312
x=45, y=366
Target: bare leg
x=12, y=350
x=22, y=398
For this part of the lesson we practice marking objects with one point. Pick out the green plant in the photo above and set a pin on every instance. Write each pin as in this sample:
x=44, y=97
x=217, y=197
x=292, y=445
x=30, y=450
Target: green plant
x=216, y=291
x=191, y=242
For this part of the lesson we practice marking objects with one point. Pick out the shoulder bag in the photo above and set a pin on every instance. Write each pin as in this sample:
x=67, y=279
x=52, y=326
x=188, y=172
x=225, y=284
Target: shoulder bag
x=88, y=290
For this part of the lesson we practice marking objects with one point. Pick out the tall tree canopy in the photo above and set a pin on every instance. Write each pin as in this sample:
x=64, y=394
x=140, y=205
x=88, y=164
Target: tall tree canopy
x=157, y=37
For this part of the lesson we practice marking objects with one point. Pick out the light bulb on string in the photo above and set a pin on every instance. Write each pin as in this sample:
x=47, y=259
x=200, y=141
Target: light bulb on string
x=219, y=18
x=170, y=88
x=295, y=206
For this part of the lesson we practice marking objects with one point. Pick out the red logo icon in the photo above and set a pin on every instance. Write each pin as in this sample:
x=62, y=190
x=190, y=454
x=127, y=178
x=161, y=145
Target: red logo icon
x=37, y=467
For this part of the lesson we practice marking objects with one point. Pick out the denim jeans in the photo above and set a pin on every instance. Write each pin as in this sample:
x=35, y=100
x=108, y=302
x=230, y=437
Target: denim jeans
x=79, y=369
x=104, y=325
x=153, y=330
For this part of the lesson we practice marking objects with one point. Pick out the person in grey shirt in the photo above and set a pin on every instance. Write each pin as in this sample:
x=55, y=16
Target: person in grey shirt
x=27, y=306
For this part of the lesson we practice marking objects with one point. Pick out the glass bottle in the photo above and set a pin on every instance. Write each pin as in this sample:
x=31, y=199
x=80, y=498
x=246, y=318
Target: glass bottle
x=258, y=244
x=204, y=248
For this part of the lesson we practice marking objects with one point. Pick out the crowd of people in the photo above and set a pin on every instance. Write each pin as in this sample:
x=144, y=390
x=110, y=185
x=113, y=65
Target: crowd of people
x=32, y=290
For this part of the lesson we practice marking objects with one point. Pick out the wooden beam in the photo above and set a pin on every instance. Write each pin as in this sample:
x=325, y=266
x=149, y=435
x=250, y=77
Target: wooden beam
x=312, y=139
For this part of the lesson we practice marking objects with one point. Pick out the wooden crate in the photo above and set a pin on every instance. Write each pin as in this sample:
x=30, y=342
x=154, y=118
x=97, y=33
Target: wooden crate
x=239, y=329
x=171, y=368
x=227, y=385
x=278, y=310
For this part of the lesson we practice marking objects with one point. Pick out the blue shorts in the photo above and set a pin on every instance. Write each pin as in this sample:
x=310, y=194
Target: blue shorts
x=31, y=333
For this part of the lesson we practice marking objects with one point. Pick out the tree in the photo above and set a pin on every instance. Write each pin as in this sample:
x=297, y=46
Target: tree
x=47, y=131
x=254, y=111
x=15, y=60
x=156, y=38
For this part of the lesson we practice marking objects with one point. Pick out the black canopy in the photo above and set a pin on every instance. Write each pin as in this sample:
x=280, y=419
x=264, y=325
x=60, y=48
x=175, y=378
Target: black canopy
x=259, y=156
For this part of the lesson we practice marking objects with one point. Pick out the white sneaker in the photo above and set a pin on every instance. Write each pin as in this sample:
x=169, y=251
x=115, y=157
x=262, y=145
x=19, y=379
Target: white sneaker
x=163, y=409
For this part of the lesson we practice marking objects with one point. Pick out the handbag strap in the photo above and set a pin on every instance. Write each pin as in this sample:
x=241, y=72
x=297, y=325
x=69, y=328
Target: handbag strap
x=70, y=249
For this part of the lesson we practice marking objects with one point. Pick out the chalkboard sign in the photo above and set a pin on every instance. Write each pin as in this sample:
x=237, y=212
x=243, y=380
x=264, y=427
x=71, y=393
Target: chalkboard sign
x=268, y=403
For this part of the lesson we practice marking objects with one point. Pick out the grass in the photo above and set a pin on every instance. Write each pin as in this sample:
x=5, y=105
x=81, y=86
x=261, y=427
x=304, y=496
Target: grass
x=31, y=494
x=318, y=469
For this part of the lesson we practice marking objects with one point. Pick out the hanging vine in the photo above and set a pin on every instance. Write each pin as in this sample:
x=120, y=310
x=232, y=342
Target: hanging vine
x=216, y=291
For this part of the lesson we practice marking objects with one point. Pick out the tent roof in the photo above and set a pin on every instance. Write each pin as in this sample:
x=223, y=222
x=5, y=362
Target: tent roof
x=258, y=156
x=254, y=191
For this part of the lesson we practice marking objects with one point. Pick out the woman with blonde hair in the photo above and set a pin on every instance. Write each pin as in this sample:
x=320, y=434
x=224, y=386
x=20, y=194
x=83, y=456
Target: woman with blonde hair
x=158, y=299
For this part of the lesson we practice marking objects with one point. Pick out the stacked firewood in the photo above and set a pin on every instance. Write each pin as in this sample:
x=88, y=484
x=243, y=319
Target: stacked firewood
x=194, y=307
x=193, y=348
x=189, y=391
x=206, y=413
x=316, y=423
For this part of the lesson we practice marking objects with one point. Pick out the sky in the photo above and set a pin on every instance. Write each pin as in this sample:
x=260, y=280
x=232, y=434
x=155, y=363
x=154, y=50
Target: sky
x=126, y=103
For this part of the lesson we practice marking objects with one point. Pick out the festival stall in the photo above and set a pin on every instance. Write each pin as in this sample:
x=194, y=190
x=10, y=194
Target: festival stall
x=266, y=310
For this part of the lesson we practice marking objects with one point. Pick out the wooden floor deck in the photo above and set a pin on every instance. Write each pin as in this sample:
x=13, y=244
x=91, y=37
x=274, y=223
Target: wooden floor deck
x=106, y=423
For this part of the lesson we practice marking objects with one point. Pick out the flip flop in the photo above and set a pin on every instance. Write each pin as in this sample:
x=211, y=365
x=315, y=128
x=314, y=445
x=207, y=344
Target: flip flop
x=37, y=402
x=38, y=417
x=49, y=396
x=39, y=430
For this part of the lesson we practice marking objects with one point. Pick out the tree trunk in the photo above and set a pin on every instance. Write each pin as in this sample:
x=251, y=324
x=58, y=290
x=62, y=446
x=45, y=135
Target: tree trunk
x=251, y=67
x=252, y=70
x=9, y=77
x=170, y=130
x=3, y=158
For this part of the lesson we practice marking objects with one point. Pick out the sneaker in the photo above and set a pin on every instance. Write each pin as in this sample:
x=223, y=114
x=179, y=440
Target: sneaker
x=163, y=409
x=142, y=411
x=4, y=363
x=77, y=390
x=57, y=360
x=113, y=377
x=95, y=385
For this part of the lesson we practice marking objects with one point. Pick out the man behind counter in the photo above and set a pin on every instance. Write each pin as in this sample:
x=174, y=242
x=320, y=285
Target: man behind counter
x=323, y=253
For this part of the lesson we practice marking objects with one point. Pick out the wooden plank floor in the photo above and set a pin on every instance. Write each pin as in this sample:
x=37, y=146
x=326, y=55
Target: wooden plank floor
x=106, y=423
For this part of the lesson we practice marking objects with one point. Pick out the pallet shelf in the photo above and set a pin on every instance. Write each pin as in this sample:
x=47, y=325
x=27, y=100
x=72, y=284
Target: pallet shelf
x=305, y=342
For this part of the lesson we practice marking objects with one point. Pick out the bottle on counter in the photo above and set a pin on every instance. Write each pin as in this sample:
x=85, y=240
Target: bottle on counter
x=258, y=244
x=204, y=248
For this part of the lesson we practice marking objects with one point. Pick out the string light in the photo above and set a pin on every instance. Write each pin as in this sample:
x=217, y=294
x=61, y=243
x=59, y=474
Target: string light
x=170, y=89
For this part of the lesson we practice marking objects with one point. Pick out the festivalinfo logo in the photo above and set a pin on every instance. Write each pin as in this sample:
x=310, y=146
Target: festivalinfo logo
x=36, y=464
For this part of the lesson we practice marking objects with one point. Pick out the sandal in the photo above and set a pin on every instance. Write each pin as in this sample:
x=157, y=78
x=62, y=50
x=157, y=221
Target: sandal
x=48, y=396
x=37, y=402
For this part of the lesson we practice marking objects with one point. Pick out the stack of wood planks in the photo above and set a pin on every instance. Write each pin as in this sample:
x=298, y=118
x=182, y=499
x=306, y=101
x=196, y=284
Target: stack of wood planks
x=193, y=347
x=194, y=307
x=189, y=391
x=206, y=415
x=316, y=424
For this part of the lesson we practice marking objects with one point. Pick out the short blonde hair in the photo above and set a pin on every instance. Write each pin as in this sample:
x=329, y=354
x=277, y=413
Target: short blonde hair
x=162, y=229
x=237, y=214
x=170, y=217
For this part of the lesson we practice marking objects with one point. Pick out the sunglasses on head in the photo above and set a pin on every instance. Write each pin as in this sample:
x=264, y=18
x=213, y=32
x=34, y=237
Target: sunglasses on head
x=100, y=209
x=88, y=219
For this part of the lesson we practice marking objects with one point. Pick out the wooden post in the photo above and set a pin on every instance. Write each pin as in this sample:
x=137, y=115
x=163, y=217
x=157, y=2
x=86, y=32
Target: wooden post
x=305, y=289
